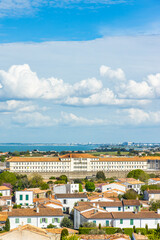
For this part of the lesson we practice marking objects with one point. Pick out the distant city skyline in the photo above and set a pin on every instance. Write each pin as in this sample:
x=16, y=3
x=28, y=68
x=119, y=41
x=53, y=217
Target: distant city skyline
x=80, y=71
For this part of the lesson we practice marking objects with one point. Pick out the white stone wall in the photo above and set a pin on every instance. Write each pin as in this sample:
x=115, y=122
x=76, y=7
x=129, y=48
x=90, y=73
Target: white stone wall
x=5, y=192
x=24, y=202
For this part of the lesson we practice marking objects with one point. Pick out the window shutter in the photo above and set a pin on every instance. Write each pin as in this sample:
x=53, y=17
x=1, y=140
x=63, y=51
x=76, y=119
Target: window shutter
x=40, y=220
x=52, y=220
x=58, y=220
x=46, y=220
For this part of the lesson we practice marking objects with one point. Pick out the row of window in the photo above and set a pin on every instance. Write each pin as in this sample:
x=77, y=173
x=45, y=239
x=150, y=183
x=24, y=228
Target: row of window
x=42, y=220
x=21, y=197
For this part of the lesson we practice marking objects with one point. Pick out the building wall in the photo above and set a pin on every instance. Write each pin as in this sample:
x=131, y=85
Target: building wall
x=113, y=186
x=70, y=202
x=5, y=192
x=24, y=202
x=35, y=221
x=138, y=223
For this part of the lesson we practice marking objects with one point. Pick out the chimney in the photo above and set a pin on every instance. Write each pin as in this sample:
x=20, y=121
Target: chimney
x=37, y=209
x=97, y=205
x=94, y=204
x=158, y=210
x=10, y=209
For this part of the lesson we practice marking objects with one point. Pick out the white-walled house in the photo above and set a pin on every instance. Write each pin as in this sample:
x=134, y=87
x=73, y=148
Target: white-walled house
x=39, y=217
x=152, y=181
x=24, y=198
x=69, y=200
x=5, y=191
x=152, y=195
x=115, y=185
x=5, y=201
x=131, y=205
x=66, y=188
x=139, y=220
x=133, y=184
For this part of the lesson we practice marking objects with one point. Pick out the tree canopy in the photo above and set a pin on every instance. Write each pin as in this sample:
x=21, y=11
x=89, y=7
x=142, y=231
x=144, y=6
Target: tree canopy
x=138, y=174
x=90, y=186
x=8, y=177
x=100, y=175
x=66, y=222
x=130, y=194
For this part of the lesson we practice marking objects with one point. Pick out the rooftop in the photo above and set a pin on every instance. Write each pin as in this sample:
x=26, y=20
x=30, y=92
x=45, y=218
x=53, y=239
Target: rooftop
x=71, y=195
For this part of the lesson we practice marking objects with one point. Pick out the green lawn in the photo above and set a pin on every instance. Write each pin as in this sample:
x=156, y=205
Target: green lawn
x=108, y=153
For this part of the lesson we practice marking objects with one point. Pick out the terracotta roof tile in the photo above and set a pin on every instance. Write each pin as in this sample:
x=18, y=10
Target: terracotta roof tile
x=131, y=202
x=71, y=195
x=132, y=215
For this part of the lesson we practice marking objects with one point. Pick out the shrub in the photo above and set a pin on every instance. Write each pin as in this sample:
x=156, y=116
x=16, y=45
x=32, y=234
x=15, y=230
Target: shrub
x=141, y=230
x=64, y=233
x=89, y=186
x=100, y=175
x=97, y=231
x=66, y=222
x=128, y=231
x=110, y=230
x=89, y=225
x=52, y=177
x=85, y=230
x=7, y=225
x=51, y=226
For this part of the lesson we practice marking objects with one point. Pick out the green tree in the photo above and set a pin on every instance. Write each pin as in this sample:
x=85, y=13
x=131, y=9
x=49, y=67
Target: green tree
x=154, y=205
x=130, y=194
x=64, y=233
x=89, y=224
x=8, y=177
x=44, y=186
x=138, y=174
x=7, y=225
x=80, y=187
x=100, y=175
x=51, y=226
x=36, y=181
x=119, y=152
x=66, y=222
x=72, y=237
x=63, y=178
x=2, y=158
x=90, y=186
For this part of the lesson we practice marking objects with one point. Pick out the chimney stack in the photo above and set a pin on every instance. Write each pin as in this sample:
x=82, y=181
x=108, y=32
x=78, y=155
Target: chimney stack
x=37, y=209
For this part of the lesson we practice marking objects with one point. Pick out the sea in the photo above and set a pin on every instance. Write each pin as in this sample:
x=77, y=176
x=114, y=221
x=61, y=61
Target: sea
x=41, y=147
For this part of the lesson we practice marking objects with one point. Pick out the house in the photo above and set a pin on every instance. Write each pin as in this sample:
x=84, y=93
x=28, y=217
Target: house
x=152, y=195
x=94, y=214
x=24, y=198
x=5, y=191
x=66, y=188
x=3, y=218
x=139, y=220
x=69, y=200
x=131, y=205
x=38, y=217
x=5, y=201
x=132, y=183
x=114, y=186
x=48, y=202
x=37, y=192
x=153, y=181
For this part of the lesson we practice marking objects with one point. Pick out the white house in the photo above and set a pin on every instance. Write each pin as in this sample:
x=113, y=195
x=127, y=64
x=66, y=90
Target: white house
x=5, y=191
x=153, y=181
x=24, y=198
x=152, y=195
x=134, y=184
x=66, y=188
x=5, y=201
x=139, y=220
x=69, y=200
x=39, y=217
x=114, y=186
x=131, y=205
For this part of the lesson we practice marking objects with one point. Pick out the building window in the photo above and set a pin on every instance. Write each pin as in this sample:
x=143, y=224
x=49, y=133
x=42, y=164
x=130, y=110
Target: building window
x=21, y=197
x=17, y=220
x=64, y=201
x=107, y=223
x=27, y=197
x=119, y=208
x=121, y=221
x=131, y=221
x=28, y=220
x=94, y=222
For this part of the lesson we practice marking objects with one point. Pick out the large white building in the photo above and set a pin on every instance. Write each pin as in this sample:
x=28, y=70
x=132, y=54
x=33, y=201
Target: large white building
x=75, y=162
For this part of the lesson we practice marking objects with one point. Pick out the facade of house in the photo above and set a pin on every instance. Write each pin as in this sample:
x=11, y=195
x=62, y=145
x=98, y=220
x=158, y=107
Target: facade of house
x=69, y=200
x=5, y=191
x=132, y=183
x=5, y=201
x=66, y=188
x=114, y=186
x=152, y=195
x=152, y=181
x=38, y=217
x=24, y=198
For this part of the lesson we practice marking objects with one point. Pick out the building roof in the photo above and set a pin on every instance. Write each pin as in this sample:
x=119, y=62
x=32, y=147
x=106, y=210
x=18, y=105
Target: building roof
x=36, y=190
x=96, y=214
x=34, y=159
x=139, y=237
x=132, y=215
x=131, y=202
x=3, y=216
x=116, y=236
x=78, y=155
x=4, y=188
x=71, y=195
x=59, y=230
x=155, y=179
x=155, y=191
x=134, y=182
x=44, y=211
x=123, y=159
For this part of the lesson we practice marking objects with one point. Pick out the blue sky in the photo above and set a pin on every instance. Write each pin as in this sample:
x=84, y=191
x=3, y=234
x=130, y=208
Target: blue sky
x=79, y=71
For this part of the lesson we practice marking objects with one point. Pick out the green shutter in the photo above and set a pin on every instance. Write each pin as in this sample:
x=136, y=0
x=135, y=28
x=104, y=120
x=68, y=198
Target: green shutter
x=52, y=220
x=17, y=220
x=119, y=208
x=121, y=221
x=107, y=223
x=27, y=197
x=46, y=220
x=21, y=197
x=131, y=221
x=40, y=220
x=28, y=220
x=58, y=220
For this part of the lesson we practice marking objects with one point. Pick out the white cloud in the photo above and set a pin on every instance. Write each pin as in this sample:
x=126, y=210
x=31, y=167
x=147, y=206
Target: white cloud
x=106, y=71
x=18, y=106
x=72, y=119
x=34, y=119
x=138, y=116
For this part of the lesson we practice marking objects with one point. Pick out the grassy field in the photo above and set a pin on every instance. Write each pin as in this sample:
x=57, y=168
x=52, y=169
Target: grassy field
x=108, y=153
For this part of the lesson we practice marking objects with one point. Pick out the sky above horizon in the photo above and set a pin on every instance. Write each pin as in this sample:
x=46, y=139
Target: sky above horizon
x=79, y=71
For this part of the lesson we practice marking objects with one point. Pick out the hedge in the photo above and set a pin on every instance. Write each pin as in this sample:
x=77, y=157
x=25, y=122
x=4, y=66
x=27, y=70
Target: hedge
x=141, y=230
x=84, y=230
x=128, y=231
x=110, y=230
